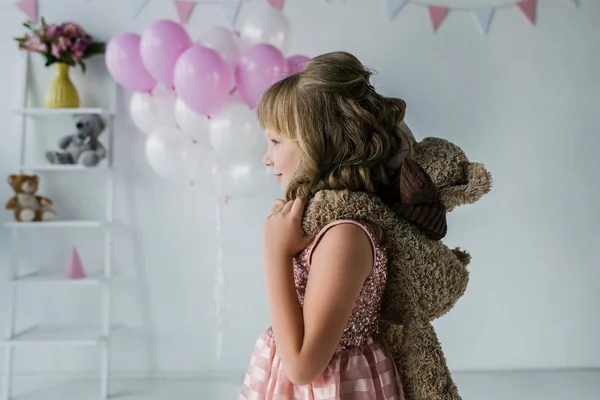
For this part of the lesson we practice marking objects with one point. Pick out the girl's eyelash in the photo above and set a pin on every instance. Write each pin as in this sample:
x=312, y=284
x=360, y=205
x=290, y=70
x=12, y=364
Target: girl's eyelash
x=274, y=141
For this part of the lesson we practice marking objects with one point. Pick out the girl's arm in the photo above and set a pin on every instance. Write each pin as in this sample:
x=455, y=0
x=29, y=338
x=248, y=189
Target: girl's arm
x=308, y=338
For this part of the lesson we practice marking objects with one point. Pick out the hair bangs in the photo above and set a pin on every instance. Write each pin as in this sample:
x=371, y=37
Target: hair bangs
x=277, y=108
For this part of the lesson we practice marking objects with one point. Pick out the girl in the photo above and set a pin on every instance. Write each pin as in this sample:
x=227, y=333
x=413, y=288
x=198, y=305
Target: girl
x=327, y=129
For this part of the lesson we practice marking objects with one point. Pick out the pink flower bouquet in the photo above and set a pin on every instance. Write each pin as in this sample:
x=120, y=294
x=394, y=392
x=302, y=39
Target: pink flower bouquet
x=66, y=43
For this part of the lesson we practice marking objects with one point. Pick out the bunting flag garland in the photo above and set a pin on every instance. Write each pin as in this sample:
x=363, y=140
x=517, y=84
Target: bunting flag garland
x=276, y=4
x=30, y=8
x=437, y=15
x=483, y=15
x=528, y=7
x=484, y=18
x=231, y=8
x=137, y=6
x=184, y=10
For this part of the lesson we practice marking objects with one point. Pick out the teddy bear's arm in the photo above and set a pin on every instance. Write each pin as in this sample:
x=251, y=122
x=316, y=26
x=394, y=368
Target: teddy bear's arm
x=12, y=203
x=45, y=200
x=65, y=141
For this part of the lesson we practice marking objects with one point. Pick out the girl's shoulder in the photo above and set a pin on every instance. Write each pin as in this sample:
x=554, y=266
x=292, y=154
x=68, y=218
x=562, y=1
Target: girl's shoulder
x=368, y=228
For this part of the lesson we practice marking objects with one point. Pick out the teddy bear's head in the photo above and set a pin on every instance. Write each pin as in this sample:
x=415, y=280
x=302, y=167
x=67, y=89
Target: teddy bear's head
x=459, y=181
x=89, y=127
x=434, y=179
x=27, y=184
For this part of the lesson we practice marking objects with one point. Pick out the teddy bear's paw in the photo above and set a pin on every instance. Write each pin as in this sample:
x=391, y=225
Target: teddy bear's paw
x=48, y=215
x=55, y=157
x=26, y=215
x=89, y=159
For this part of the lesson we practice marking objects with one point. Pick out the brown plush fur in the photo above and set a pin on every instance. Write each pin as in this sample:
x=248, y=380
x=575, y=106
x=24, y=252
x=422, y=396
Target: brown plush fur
x=27, y=205
x=425, y=277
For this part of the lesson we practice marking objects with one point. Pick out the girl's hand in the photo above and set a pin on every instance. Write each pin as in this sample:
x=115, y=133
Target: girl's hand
x=283, y=235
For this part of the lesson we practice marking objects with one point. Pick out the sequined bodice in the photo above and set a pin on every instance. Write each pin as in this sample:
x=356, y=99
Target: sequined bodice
x=364, y=319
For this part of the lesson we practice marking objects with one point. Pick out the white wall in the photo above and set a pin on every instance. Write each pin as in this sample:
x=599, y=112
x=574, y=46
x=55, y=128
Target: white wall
x=522, y=100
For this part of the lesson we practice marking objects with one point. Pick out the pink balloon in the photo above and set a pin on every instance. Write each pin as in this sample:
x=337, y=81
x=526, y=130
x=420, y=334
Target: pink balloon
x=162, y=44
x=125, y=65
x=257, y=68
x=296, y=63
x=202, y=80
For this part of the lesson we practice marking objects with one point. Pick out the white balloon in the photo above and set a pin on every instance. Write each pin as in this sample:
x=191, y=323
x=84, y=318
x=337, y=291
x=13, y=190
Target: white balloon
x=241, y=179
x=190, y=121
x=267, y=25
x=224, y=41
x=150, y=111
x=174, y=155
x=234, y=133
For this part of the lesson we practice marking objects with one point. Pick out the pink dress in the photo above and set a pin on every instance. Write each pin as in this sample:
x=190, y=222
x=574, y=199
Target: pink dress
x=362, y=367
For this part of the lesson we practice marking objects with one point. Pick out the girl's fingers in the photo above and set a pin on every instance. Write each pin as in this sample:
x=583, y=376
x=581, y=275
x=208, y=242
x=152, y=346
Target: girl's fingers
x=277, y=206
x=288, y=207
x=298, y=207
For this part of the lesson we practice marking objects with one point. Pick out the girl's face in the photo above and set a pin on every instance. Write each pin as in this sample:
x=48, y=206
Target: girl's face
x=283, y=157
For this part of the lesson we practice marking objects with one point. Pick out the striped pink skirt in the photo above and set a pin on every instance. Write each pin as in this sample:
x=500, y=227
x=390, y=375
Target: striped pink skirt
x=359, y=373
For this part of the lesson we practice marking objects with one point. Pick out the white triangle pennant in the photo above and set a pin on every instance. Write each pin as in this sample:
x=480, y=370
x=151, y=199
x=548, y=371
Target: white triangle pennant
x=484, y=17
x=137, y=6
x=394, y=7
x=231, y=8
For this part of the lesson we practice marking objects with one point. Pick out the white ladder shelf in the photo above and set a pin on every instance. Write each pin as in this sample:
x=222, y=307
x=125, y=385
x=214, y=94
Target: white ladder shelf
x=72, y=335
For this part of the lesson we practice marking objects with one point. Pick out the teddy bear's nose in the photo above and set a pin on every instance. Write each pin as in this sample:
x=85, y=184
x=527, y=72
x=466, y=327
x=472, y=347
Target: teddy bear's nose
x=79, y=125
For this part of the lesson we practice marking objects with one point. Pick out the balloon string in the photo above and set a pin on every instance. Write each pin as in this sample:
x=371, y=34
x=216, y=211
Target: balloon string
x=218, y=295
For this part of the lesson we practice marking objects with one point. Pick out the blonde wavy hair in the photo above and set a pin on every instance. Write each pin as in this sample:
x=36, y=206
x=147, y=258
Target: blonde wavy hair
x=345, y=130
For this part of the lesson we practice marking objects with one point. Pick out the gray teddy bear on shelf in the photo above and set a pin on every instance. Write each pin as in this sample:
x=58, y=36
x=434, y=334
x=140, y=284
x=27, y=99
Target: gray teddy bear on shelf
x=82, y=147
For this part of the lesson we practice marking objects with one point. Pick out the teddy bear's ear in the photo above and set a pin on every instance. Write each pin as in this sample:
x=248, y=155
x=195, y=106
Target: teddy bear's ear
x=479, y=183
x=98, y=121
x=11, y=178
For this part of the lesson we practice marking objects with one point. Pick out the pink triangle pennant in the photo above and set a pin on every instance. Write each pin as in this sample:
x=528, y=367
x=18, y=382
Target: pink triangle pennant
x=74, y=268
x=528, y=7
x=276, y=4
x=30, y=8
x=184, y=10
x=437, y=14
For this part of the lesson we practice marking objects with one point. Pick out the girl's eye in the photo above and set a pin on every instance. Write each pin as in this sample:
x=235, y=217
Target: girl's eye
x=275, y=142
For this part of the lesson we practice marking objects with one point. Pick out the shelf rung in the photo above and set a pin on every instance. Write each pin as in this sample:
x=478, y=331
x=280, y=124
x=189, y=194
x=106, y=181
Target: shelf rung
x=55, y=278
x=62, y=168
x=56, y=224
x=57, y=336
x=55, y=112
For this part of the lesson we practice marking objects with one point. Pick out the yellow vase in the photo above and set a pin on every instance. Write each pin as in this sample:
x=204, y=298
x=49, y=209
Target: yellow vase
x=62, y=93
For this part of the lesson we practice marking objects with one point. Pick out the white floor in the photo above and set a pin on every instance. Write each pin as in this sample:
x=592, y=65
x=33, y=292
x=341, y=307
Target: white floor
x=552, y=385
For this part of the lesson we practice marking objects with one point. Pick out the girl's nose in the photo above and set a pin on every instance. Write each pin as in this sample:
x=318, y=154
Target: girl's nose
x=267, y=161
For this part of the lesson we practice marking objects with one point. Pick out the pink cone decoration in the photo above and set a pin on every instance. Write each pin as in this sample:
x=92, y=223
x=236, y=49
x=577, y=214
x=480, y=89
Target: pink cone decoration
x=74, y=268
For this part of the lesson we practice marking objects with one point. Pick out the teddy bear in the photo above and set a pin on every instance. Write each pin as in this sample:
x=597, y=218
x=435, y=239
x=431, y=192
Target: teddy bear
x=425, y=277
x=82, y=147
x=26, y=204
